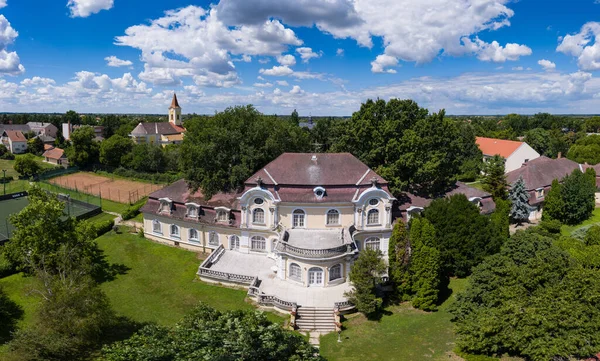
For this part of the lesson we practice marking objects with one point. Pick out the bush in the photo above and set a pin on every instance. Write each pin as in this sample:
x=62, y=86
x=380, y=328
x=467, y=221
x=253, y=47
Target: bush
x=592, y=236
x=104, y=227
x=6, y=268
x=8, y=179
x=8, y=156
x=133, y=210
x=27, y=166
x=552, y=225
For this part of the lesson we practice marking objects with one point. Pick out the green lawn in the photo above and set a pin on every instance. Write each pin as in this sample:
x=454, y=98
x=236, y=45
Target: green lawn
x=595, y=218
x=101, y=218
x=9, y=166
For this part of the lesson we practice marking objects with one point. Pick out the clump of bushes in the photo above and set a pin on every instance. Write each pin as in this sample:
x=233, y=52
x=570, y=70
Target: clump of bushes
x=133, y=210
x=104, y=227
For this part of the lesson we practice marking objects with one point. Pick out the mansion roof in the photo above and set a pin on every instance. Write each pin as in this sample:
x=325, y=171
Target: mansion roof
x=540, y=172
x=180, y=193
x=408, y=200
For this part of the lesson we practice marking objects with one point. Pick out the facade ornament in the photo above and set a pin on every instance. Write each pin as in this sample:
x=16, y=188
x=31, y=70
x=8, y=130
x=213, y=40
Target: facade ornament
x=374, y=182
x=259, y=181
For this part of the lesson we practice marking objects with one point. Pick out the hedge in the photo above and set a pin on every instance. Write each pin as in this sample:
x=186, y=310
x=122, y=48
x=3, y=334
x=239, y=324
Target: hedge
x=133, y=210
x=104, y=227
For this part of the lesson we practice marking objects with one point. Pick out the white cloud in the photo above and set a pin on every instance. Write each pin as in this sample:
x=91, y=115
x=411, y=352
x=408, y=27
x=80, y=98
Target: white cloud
x=382, y=62
x=287, y=60
x=264, y=60
x=85, y=8
x=547, y=65
x=518, y=68
x=37, y=81
x=116, y=62
x=339, y=52
x=296, y=90
x=2, y=3
x=263, y=85
x=307, y=53
x=205, y=43
x=9, y=61
x=426, y=30
x=282, y=83
x=277, y=71
x=585, y=46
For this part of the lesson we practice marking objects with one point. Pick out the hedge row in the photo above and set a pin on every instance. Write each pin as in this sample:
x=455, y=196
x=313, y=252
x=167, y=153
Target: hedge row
x=132, y=174
x=104, y=227
x=133, y=210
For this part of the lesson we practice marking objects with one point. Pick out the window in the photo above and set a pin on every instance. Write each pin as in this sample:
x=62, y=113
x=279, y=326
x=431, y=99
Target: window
x=193, y=235
x=333, y=217
x=373, y=216
x=222, y=216
x=539, y=193
x=213, y=238
x=372, y=243
x=298, y=219
x=258, y=201
x=174, y=230
x=258, y=216
x=295, y=272
x=335, y=272
x=319, y=192
x=373, y=201
x=258, y=244
x=156, y=227
x=234, y=242
x=192, y=211
x=165, y=207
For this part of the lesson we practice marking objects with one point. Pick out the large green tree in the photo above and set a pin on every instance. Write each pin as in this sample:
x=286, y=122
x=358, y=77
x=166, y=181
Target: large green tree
x=84, y=150
x=586, y=150
x=494, y=179
x=211, y=335
x=399, y=252
x=578, y=194
x=464, y=236
x=554, y=204
x=145, y=158
x=27, y=166
x=425, y=265
x=519, y=199
x=531, y=300
x=412, y=149
x=366, y=277
x=113, y=149
x=220, y=152
x=35, y=146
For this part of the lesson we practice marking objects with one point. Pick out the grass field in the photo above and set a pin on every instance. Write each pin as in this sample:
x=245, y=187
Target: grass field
x=159, y=285
x=595, y=218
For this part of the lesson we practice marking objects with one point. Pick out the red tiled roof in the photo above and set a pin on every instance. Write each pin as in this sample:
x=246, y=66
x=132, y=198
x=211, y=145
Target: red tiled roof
x=15, y=135
x=174, y=102
x=54, y=153
x=540, y=172
x=327, y=169
x=501, y=147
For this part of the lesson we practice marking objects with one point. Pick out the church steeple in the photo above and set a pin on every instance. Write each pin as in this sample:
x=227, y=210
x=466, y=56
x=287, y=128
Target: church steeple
x=175, y=111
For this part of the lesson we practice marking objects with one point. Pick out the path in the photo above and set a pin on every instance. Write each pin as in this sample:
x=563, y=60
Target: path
x=120, y=222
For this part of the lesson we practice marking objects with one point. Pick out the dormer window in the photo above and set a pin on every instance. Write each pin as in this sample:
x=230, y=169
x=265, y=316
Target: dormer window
x=319, y=192
x=222, y=214
x=166, y=205
x=539, y=193
x=192, y=210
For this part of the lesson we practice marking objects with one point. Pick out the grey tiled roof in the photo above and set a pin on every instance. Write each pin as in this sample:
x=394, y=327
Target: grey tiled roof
x=155, y=128
x=540, y=172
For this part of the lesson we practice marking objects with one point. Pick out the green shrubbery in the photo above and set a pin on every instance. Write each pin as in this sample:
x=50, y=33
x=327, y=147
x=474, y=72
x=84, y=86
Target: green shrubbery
x=574, y=200
x=133, y=210
x=104, y=227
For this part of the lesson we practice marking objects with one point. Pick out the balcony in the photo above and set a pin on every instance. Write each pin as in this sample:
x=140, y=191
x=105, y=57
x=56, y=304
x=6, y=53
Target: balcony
x=315, y=244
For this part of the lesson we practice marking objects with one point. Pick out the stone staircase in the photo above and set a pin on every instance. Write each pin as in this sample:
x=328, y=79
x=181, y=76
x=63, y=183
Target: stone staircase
x=315, y=319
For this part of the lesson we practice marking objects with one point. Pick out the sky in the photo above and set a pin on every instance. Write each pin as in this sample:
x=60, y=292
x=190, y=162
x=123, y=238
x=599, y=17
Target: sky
x=321, y=57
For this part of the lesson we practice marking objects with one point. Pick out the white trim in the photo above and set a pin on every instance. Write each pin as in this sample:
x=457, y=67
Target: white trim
x=339, y=222
x=192, y=204
x=304, y=219
x=322, y=283
x=269, y=174
x=363, y=177
x=222, y=209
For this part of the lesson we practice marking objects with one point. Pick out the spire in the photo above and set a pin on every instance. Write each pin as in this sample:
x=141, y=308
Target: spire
x=174, y=103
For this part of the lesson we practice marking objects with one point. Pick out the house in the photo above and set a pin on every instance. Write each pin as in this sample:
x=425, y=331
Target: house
x=56, y=156
x=41, y=128
x=293, y=231
x=68, y=129
x=538, y=175
x=409, y=205
x=46, y=139
x=514, y=153
x=161, y=133
x=15, y=141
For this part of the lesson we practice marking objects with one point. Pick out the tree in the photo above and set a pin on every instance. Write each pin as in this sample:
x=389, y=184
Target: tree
x=578, y=194
x=538, y=139
x=592, y=236
x=554, y=204
x=35, y=146
x=409, y=147
x=500, y=219
x=365, y=276
x=399, y=251
x=113, y=149
x=586, y=150
x=494, y=179
x=72, y=117
x=425, y=265
x=464, y=236
x=294, y=118
x=84, y=149
x=208, y=334
x=531, y=300
x=110, y=123
x=27, y=166
x=220, y=152
x=145, y=158
x=519, y=198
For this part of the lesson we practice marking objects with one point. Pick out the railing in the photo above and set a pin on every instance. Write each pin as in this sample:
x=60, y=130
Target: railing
x=344, y=305
x=314, y=253
x=213, y=257
x=254, y=290
x=225, y=276
x=270, y=300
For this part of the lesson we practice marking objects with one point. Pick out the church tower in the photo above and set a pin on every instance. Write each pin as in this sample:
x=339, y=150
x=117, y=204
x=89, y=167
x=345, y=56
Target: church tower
x=175, y=111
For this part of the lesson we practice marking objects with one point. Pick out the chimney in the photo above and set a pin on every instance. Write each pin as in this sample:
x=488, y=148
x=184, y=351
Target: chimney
x=559, y=155
x=314, y=158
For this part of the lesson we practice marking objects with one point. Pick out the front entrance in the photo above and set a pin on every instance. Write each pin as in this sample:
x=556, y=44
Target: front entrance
x=315, y=277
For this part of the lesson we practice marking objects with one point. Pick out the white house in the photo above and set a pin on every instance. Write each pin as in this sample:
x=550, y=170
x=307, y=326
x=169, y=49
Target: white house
x=515, y=153
x=15, y=141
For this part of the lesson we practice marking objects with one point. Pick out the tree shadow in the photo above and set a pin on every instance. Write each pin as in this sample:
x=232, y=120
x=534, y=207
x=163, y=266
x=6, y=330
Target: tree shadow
x=121, y=329
x=445, y=291
x=104, y=271
x=10, y=314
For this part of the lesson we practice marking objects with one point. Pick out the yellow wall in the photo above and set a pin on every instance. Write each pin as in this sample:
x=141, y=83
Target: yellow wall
x=316, y=216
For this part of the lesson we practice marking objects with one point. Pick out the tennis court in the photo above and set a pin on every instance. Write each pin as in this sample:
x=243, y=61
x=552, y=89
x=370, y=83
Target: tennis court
x=14, y=203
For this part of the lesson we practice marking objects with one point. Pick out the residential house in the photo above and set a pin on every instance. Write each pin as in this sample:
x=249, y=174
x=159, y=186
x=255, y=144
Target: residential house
x=515, y=153
x=40, y=128
x=538, y=175
x=68, y=129
x=161, y=133
x=15, y=141
x=56, y=156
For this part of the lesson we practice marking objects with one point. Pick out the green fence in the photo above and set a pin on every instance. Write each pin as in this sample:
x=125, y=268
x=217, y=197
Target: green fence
x=72, y=193
x=51, y=173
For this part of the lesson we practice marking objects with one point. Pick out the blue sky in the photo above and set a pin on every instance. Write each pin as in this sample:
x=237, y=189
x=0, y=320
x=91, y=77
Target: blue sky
x=320, y=57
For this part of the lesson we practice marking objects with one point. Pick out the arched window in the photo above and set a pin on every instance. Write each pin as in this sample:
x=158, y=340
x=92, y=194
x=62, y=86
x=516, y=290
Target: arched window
x=234, y=242
x=222, y=216
x=193, y=235
x=192, y=211
x=213, y=238
x=258, y=244
x=258, y=216
x=174, y=230
x=335, y=272
x=333, y=217
x=298, y=218
x=156, y=226
x=372, y=243
x=373, y=216
x=295, y=272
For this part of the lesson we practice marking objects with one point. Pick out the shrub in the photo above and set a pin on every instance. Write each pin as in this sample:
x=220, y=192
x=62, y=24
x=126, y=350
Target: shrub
x=133, y=210
x=592, y=236
x=552, y=225
x=27, y=166
x=6, y=267
x=104, y=227
x=8, y=156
